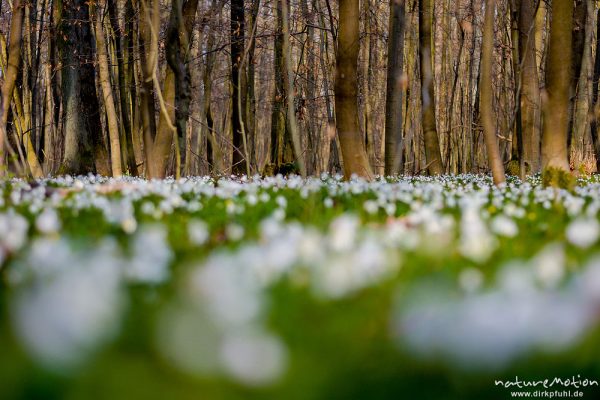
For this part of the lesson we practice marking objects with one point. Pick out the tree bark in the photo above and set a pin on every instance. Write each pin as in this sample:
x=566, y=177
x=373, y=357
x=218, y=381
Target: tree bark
x=107, y=93
x=393, y=103
x=558, y=75
x=595, y=107
x=239, y=162
x=84, y=148
x=487, y=91
x=149, y=25
x=354, y=154
x=11, y=72
x=433, y=155
x=529, y=97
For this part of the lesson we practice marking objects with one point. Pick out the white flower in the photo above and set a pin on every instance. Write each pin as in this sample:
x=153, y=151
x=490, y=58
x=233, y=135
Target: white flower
x=254, y=358
x=151, y=257
x=48, y=221
x=583, y=232
x=342, y=232
x=234, y=232
x=198, y=232
x=549, y=265
x=504, y=226
x=13, y=230
x=371, y=206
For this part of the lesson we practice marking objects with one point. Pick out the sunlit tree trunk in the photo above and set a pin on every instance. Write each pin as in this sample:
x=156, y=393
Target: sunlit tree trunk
x=237, y=35
x=433, y=156
x=354, y=154
x=149, y=24
x=393, y=104
x=123, y=42
x=487, y=91
x=107, y=92
x=529, y=99
x=10, y=74
x=558, y=75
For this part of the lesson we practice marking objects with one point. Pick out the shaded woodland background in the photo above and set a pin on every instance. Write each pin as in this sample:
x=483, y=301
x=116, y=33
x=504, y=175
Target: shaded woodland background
x=194, y=87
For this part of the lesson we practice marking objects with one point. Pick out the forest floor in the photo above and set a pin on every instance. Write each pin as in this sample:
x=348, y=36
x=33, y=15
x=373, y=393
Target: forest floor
x=284, y=288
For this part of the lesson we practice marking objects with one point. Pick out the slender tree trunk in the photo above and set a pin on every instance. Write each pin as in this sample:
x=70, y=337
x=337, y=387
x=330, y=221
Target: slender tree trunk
x=346, y=91
x=239, y=161
x=558, y=75
x=278, y=116
x=294, y=136
x=529, y=98
x=149, y=24
x=124, y=57
x=487, y=92
x=11, y=72
x=579, y=34
x=107, y=93
x=433, y=155
x=250, y=92
x=393, y=103
x=212, y=150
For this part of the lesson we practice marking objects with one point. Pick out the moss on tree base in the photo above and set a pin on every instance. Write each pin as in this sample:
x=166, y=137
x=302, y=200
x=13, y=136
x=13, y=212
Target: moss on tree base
x=558, y=178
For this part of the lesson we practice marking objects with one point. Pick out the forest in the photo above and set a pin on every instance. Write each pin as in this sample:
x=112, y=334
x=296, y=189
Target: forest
x=299, y=199
x=181, y=88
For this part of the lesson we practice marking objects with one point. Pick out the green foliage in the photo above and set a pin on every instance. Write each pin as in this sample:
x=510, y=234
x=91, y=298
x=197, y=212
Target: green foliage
x=558, y=178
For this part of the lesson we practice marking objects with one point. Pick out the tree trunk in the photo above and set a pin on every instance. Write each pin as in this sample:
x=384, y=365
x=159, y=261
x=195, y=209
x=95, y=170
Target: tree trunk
x=124, y=56
x=10, y=74
x=558, y=75
x=354, y=154
x=529, y=98
x=84, y=148
x=487, y=92
x=579, y=34
x=433, y=155
x=107, y=93
x=149, y=25
x=278, y=115
x=393, y=103
x=595, y=110
x=239, y=162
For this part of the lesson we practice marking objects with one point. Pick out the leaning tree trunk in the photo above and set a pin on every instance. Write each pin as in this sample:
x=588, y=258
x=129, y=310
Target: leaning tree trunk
x=433, y=155
x=393, y=102
x=10, y=74
x=487, y=90
x=354, y=154
x=84, y=148
x=558, y=74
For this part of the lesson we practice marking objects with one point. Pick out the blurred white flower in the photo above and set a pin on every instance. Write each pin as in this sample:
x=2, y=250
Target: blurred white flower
x=150, y=257
x=583, y=232
x=234, y=232
x=48, y=222
x=504, y=226
x=254, y=358
x=198, y=232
